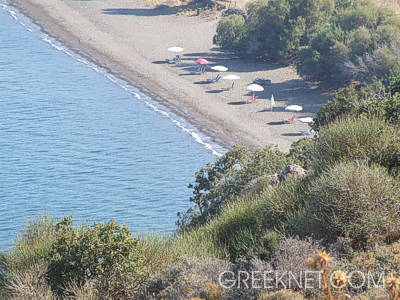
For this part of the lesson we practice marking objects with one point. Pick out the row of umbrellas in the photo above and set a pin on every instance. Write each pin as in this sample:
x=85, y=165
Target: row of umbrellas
x=252, y=87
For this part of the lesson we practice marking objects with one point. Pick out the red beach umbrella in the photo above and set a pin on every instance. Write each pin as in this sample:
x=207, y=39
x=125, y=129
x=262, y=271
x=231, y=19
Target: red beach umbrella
x=202, y=61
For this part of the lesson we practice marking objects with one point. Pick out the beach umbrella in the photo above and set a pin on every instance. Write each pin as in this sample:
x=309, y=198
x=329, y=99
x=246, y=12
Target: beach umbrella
x=306, y=120
x=272, y=101
x=294, y=108
x=202, y=61
x=231, y=77
x=254, y=88
x=175, y=49
x=219, y=68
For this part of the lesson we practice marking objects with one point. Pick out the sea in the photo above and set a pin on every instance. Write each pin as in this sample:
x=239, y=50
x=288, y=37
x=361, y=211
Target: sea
x=76, y=140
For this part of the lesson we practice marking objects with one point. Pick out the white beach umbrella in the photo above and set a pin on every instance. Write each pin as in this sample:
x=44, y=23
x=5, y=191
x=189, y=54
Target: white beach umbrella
x=306, y=120
x=175, y=49
x=232, y=77
x=294, y=108
x=254, y=88
x=219, y=68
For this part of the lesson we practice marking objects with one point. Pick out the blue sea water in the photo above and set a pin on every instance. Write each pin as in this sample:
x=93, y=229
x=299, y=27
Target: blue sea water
x=76, y=140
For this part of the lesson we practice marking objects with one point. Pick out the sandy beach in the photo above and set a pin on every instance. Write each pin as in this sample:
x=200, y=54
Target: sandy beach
x=130, y=39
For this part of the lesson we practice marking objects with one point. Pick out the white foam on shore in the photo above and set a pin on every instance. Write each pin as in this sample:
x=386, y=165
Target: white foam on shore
x=156, y=107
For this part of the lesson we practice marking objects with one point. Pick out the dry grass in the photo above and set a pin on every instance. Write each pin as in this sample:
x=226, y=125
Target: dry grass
x=391, y=4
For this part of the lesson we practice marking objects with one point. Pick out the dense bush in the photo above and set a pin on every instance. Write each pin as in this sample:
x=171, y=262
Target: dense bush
x=105, y=254
x=274, y=27
x=379, y=99
x=361, y=41
x=359, y=138
x=358, y=201
x=247, y=226
x=231, y=32
x=218, y=183
x=332, y=40
x=301, y=152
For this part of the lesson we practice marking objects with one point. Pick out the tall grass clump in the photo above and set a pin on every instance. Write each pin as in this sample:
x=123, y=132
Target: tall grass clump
x=358, y=201
x=32, y=246
x=358, y=138
x=250, y=225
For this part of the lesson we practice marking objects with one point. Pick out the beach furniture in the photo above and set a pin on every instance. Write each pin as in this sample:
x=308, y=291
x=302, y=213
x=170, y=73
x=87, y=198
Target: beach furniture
x=231, y=77
x=252, y=99
x=175, y=60
x=262, y=81
x=254, y=88
x=307, y=132
x=216, y=79
x=290, y=120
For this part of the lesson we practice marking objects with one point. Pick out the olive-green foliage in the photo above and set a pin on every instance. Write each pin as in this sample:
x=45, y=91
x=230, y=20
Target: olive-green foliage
x=360, y=138
x=356, y=200
x=332, y=40
x=246, y=226
x=32, y=247
x=231, y=32
x=274, y=27
x=301, y=152
x=378, y=99
x=105, y=254
x=221, y=182
x=360, y=41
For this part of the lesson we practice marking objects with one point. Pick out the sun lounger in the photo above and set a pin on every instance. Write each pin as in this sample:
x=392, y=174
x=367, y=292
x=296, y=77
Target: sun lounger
x=216, y=79
x=290, y=120
x=262, y=81
x=252, y=99
x=307, y=132
x=175, y=60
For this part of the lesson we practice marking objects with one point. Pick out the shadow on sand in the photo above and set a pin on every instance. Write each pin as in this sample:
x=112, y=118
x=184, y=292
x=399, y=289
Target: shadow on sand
x=292, y=134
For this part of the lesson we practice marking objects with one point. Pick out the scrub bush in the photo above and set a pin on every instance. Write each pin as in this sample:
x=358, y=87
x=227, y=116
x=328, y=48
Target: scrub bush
x=105, y=254
x=358, y=138
x=357, y=201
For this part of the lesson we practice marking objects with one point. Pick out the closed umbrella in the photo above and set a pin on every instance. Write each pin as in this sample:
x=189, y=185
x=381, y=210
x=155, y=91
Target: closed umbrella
x=272, y=101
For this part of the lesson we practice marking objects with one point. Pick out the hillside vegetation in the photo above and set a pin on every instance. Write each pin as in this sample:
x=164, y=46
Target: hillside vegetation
x=327, y=40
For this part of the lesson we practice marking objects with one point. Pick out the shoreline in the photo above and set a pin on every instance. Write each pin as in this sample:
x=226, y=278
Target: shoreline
x=101, y=44
x=50, y=27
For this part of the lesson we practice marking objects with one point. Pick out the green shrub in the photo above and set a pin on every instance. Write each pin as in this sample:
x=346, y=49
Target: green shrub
x=358, y=201
x=231, y=32
x=221, y=182
x=378, y=99
x=246, y=226
x=301, y=152
x=360, y=42
x=105, y=254
x=359, y=138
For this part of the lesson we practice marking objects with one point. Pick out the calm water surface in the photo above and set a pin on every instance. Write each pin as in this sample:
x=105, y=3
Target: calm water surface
x=72, y=141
